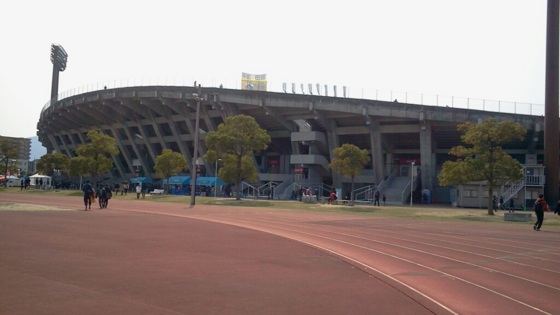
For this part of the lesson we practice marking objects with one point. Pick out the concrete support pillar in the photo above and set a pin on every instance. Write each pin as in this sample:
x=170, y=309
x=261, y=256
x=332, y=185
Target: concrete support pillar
x=388, y=164
x=376, y=153
x=67, y=146
x=147, y=139
x=134, y=146
x=333, y=143
x=128, y=169
x=426, y=156
x=55, y=145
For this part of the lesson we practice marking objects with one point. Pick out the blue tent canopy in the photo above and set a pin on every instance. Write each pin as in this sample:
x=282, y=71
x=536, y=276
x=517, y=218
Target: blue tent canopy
x=141, y=180
x=209, y=181
x=178, y=180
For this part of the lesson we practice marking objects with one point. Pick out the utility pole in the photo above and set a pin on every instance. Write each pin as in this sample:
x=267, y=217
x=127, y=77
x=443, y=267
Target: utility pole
x=551, y=138
x=198, y=98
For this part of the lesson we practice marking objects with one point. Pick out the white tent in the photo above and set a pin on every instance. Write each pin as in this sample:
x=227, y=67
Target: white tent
x=37, y=179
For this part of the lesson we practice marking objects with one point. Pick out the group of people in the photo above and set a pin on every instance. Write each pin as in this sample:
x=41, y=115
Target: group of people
x=25, y=183
x=499, y=204
x=103, y=194
x=376, y=198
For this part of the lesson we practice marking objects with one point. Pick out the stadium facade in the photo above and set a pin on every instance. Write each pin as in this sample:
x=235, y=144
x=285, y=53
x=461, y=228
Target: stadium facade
x=408, y=142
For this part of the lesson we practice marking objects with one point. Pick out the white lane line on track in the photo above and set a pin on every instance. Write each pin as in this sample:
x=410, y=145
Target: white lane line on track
x=458, y=250
x=401, y=259
x=448, y=239
x=515, y=243
x=507, y=245
x=241, y=223
x=386, y=254
x=371, y=268
x=417, y=250
x=309, y=244
x=452, y=259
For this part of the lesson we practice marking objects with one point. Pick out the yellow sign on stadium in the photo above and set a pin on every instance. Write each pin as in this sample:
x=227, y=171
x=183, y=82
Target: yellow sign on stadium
x=255, y=82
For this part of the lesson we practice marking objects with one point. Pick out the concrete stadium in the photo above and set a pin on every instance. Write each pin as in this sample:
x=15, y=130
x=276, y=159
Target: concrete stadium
x=408, y=142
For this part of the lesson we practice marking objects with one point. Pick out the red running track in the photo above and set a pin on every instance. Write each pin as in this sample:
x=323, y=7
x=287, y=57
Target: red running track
x=143, y=257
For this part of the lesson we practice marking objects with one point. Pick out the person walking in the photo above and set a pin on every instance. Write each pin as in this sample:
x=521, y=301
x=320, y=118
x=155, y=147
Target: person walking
x=138, y=191
x=376, y=198
x=332, y=198
x=109, y=195
x=384, y=198
x=557, y=209
x=101, y=195
x=511, y=205
x=539, y=208
x=88, y=191
x=501, y=203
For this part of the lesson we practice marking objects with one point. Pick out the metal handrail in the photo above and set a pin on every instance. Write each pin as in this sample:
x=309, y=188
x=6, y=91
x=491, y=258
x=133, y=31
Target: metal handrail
x=367, y=191
x=252, y=191
x=366, y=93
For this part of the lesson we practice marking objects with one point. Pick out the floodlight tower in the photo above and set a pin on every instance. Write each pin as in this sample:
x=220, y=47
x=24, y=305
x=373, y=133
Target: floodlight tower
x=58, y=59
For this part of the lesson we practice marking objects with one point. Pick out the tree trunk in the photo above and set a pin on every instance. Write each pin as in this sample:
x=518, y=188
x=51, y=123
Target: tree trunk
x=167, y=187
x=352, y=192
x=239, y=180
x=238, y=191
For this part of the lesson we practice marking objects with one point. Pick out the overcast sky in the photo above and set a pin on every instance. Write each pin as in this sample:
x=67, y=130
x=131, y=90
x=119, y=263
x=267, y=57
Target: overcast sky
x=480, y=49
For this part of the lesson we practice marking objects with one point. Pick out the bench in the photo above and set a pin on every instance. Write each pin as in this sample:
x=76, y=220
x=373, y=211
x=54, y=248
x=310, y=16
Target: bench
x=518, y=216
x=157, y=192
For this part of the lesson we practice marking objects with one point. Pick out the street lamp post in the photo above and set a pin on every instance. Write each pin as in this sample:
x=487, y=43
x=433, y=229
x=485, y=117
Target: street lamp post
x=216, y=181
x=411, y=180
x=198, y=97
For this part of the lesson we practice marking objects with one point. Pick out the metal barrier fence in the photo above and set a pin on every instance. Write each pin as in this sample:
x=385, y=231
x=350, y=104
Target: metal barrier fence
x=360, y=93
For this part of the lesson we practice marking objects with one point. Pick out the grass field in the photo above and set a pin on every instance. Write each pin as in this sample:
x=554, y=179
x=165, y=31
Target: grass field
x=425, y=212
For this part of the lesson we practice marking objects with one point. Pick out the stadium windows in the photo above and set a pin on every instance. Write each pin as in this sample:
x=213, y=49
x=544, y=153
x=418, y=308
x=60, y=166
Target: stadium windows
x=150, y=132
x=165, y=129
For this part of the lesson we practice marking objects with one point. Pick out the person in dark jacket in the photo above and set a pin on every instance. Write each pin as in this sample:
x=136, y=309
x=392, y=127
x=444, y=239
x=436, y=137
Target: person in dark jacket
x=511, y=205
x=88, y=194
x=539, y=208
x=376, y=198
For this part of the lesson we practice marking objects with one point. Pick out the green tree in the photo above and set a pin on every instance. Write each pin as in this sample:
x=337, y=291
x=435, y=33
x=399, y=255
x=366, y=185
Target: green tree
x=98, y=153
x=51, y=162
x=349, y=160
x=484, y=159
x=235, y=141
x=79, y=166
x=169, y=163
x=9, y=150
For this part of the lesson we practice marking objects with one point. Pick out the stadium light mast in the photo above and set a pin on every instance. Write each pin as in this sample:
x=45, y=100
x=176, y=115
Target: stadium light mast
x=59, y=57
